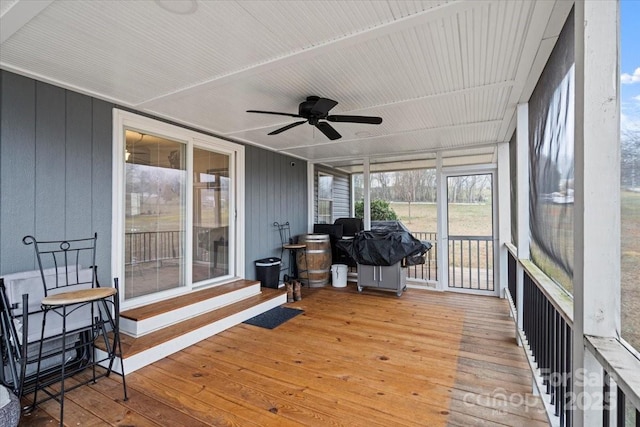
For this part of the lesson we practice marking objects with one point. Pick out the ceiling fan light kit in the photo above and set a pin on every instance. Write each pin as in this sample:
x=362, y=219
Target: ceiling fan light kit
x=315, y=109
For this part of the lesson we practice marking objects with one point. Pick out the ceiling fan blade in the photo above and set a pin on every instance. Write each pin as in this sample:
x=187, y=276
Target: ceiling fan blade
x=328, y=131
x=322, y=106
x=287, y=127
x=355, y=119
x=276, y=113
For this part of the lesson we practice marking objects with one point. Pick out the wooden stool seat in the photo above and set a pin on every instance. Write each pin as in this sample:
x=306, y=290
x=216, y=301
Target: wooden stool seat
x=75, y=297
x=294, y=246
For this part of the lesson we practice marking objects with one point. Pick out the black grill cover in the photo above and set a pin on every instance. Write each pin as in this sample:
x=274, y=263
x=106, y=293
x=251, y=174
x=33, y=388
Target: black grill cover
x=388, y=243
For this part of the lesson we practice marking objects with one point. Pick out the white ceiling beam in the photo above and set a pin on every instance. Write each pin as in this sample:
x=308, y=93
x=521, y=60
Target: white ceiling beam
x=439, y=12
x=542, y=11
x=18, y=15
x=416, y=153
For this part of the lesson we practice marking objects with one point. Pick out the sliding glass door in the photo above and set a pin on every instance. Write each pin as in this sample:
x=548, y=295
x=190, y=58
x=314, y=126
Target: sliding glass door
x=176, y=226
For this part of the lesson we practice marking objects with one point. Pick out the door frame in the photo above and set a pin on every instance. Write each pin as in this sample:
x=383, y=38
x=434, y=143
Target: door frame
x=443, y=225
x=126, y=120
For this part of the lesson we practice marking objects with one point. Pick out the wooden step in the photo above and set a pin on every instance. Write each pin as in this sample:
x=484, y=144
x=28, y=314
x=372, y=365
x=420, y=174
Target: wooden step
x=144, y=350
x=140, y=321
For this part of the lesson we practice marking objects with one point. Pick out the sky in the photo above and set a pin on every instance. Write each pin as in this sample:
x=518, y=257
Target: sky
x=630, y=64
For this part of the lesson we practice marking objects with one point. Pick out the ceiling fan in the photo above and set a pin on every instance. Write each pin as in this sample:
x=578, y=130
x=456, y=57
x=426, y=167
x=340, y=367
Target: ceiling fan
x=315, y=109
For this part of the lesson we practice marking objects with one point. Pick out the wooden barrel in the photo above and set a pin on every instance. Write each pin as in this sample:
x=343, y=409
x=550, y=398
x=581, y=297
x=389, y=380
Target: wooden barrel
x=318, y=260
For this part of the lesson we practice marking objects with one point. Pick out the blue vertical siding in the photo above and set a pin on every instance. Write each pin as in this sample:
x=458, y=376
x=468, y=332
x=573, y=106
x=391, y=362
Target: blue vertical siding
x=56, y=177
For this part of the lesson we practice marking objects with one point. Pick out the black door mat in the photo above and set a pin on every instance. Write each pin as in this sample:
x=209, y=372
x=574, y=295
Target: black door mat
x=274, y=317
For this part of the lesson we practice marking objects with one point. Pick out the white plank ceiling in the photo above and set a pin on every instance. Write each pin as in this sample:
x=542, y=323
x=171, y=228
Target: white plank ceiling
x=444, y=75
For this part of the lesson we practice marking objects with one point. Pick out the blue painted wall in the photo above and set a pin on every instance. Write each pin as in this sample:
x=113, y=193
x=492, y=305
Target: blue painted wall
x=55, y=177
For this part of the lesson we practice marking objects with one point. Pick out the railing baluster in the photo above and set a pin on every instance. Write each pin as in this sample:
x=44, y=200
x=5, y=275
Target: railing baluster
x=557, y=340
x=469, y=264
x=563, y=381
x=621, y=410
x=453, y=263
x=605, y=400
x=486, y=261
x=567, y=372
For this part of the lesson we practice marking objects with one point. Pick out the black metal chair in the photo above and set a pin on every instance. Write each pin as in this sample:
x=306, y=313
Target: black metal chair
x=295, y=250
x=74, y=304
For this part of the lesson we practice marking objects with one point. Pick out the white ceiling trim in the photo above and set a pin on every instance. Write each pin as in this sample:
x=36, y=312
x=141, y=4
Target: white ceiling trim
x=18, y=15
x=379, y=157
x=401, y=24
x=408, y=132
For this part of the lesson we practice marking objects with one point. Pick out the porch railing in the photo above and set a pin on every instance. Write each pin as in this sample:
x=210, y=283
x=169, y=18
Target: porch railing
x=149, y=246
x=546, y=332
x=428, y=270
x=471, y=262
x=153, y=246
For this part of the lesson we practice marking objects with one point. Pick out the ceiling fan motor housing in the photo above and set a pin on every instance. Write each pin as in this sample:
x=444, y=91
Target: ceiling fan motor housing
x=305, y=107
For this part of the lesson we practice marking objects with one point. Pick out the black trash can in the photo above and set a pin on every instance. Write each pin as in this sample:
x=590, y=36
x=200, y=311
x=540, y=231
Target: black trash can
x=268, y=272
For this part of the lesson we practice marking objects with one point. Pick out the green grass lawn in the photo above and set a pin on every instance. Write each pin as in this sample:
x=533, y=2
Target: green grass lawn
x=464, y=219
x=630, y=268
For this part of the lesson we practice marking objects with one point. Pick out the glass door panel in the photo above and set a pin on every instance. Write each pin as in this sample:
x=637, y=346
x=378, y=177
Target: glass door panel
x=211, y=196
x=155, y=214
x=470, y=231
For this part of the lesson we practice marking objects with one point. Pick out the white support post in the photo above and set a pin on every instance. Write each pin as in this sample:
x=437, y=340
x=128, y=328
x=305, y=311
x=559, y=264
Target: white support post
x=596, y=278
x=504, y=214
x=442, y=235
x=522, y=141
x=366, y=178
x=311, y=167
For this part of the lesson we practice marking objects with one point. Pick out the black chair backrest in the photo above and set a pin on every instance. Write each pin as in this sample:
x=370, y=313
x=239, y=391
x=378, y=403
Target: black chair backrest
x=350, y=226
x=285, y=232
x=64, y=263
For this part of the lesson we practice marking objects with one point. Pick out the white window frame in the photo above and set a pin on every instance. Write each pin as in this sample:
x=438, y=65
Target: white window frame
x=321, y=174
x=123, y=120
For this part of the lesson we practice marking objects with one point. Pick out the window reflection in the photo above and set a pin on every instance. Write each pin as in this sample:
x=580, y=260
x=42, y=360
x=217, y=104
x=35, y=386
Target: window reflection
x=210, y=215
x=155, y=183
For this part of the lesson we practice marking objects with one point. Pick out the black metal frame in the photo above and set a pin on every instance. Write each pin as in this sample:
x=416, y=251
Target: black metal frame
x=284, y=229
x=65, y=258
x=19, y=354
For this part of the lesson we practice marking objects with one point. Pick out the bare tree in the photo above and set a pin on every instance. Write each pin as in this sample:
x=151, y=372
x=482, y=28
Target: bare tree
x=407, y=184
x=429, y=186
x=384, y=182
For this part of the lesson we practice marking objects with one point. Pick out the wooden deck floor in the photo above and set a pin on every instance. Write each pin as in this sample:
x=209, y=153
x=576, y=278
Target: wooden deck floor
x=370, y=359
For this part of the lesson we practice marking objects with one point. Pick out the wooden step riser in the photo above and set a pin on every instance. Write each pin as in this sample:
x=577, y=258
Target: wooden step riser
x=142, y=327
x=144, y=358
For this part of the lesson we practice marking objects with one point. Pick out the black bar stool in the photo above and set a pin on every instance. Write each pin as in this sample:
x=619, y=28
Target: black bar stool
x=82, y=314
x=293, y=248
